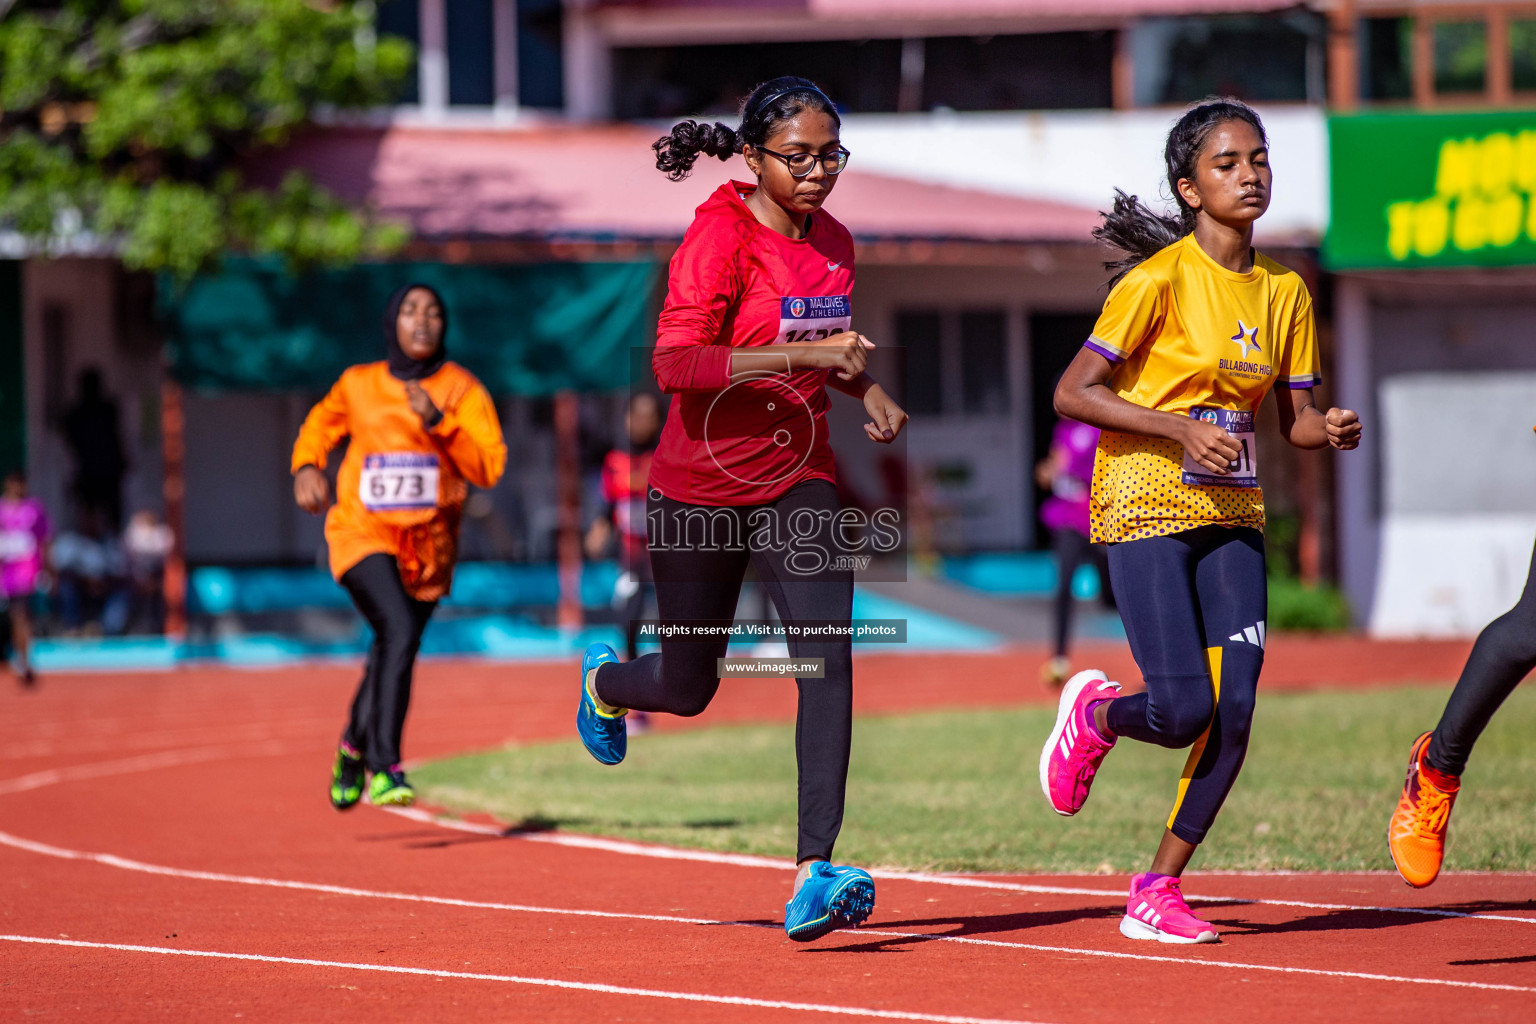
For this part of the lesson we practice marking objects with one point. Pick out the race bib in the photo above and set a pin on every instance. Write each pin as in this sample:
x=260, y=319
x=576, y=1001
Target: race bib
x=17, y=545
x=1243, y=471
x=399, y=482
x=813, y=317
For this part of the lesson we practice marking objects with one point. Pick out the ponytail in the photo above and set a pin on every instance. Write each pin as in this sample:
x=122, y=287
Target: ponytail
x=1136, y=230
x=677, y=151
x=767, y=107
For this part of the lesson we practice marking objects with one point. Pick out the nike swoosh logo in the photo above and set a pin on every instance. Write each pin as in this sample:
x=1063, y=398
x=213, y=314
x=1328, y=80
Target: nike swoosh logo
x=833, y=266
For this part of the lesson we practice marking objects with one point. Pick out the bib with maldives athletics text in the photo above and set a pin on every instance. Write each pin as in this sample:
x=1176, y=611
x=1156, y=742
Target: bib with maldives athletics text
x=1241, y=471
x=812, y=317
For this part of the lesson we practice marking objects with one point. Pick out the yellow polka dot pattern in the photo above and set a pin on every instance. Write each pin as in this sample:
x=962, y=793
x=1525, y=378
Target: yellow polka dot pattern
x=1139, y=492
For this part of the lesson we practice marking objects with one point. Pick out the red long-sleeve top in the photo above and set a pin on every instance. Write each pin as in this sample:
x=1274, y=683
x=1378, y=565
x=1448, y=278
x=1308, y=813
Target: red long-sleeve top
x=734, y=283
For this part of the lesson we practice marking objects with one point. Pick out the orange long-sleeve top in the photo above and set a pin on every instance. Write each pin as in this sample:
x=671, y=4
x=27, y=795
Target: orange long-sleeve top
x=401, y=487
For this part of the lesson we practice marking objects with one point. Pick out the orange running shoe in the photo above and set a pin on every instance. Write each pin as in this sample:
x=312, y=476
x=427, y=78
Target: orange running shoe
x=1416, y=836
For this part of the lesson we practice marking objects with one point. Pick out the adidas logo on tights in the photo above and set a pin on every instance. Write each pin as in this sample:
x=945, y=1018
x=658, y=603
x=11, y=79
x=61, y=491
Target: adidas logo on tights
x=1253, y=634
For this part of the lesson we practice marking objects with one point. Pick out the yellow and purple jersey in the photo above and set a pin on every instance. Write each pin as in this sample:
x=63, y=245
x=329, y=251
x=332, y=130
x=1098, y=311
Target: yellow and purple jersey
x=1193, y=338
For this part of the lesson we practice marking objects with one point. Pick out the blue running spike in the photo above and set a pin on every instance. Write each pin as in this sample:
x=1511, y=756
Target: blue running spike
x=831, y=898
x=604, y=734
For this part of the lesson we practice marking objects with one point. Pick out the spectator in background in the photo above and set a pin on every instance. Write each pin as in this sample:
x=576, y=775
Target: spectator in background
x=92, y=584
x=625, y=473
x=23, y=545
x=1067, y=472
x=92, y=431
x=146, y=543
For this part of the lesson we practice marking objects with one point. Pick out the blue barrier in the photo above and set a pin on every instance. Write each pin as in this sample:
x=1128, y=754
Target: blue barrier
x=220, y=590
x=1018, y=574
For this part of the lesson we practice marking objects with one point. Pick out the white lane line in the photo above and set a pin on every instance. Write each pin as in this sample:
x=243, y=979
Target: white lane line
x=141, y=763
x=111, y=860
x=515, y=979
x=963, y=881
x=174, y=758
x=169, y=738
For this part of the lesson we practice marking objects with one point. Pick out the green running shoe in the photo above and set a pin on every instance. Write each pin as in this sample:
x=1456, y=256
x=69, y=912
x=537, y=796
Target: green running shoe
x=389, y=789
x=346, y=778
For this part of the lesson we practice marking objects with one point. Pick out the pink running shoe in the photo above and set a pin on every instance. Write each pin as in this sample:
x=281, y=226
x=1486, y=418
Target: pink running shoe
x=1159, y=912
x=1074, y=751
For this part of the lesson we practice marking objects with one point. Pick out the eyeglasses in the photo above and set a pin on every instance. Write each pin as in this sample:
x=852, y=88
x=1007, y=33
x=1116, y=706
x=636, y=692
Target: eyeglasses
x=801, y=164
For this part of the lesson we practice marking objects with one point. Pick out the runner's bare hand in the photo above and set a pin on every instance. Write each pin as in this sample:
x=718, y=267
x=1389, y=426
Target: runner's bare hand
x=1343, y=428
x=886, y=417
x=311, y=490
x=847, y=353
x=1210, y=446
x=422, y=404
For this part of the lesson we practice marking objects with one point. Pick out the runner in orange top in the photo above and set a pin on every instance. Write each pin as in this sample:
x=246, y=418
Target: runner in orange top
x=422, y=430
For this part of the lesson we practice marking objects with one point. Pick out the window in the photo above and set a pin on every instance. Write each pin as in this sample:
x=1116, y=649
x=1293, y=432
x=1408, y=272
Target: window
x=1054, y=70
x=1461, y=56
x=1386, y=58
x=1058, y=70
x=984, y=363
x=1522, y=46
x=1253, y=57
x=919, y=333
x=956, y=362
x=471, y=53
x=540, y=60
x=403, y=18
x=466, y=73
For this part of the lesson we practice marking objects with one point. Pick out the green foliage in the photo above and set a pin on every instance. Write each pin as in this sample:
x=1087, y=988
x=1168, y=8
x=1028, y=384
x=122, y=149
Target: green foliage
x=1298, y=606
x=957, y=790
x=1292, y=603
x=130, y=120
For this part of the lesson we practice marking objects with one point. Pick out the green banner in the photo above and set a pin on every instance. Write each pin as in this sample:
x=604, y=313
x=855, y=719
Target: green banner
x=1432, y=190
x=525, y=329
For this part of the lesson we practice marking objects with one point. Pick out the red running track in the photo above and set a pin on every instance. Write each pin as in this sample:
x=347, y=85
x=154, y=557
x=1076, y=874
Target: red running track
x=166, y=853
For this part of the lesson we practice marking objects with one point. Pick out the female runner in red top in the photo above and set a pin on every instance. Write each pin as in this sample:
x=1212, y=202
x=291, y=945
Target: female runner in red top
x=756, y=325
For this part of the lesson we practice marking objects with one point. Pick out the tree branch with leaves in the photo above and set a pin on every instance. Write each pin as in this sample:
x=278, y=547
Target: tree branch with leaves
x=129, y=123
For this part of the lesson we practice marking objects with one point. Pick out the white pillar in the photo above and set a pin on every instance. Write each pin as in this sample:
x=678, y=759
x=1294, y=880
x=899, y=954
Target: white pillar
x=504, y=28
x=588, y=65
x=1358, y=472
x=432, y=59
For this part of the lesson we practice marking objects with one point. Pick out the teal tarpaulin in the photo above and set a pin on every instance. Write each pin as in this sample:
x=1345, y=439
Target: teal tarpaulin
x=524, y=329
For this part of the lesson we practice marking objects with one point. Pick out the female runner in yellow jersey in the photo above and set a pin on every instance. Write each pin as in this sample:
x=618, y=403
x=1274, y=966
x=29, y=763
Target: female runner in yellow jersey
x=1198, y=329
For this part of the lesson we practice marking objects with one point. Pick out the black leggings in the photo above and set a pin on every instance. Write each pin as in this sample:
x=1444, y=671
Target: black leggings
x=1504, y=654
x=699, y=555
x=398, y=620
x=1194, y=605
x=1072, y=550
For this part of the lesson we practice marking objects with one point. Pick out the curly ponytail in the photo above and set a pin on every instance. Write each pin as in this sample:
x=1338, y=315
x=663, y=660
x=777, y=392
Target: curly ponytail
x=677, y=151
x=765, y=108
x=1138, y=231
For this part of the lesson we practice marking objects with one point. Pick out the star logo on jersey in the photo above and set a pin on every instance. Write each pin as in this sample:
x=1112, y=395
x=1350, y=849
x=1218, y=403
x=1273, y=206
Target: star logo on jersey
x=1247, y=338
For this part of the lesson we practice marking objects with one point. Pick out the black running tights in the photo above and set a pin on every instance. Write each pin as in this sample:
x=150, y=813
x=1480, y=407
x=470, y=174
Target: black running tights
x=1504, y=654
x=699, y=555
x=398, y=620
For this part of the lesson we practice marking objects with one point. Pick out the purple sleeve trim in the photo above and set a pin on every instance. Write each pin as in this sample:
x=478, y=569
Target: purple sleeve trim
x=1303, y=384
x=1106, y=352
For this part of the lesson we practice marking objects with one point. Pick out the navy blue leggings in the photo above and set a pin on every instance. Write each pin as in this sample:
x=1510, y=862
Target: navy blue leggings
x=1193, y=604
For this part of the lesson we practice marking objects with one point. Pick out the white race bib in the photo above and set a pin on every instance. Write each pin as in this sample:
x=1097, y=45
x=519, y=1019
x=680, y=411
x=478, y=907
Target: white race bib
x=813, y=317
x=399, y=482
x=1243, y=471
x=17, y=545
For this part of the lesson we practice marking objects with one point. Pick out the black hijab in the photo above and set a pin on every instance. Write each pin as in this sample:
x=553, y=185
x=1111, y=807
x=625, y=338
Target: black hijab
x=402, y=366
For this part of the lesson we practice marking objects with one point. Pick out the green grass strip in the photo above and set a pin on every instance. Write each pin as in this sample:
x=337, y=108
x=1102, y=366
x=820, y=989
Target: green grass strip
x=959, y=790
